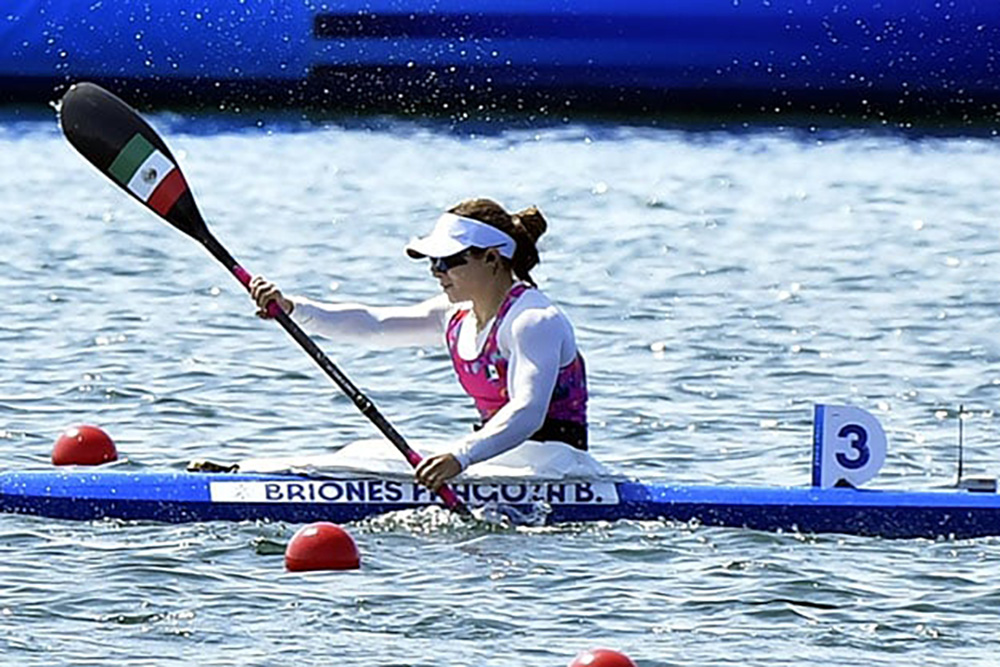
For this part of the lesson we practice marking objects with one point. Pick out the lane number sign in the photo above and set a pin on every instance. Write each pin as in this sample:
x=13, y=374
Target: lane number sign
x=849, y=446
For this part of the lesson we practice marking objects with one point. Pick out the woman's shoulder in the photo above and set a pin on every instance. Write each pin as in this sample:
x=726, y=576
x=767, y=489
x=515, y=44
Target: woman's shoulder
x=535, y=307
x=533, y=296
x=536, y=322
x=535, y=299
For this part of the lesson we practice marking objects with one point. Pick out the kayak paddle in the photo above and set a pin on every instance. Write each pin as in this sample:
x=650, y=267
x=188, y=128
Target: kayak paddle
x=114, y=138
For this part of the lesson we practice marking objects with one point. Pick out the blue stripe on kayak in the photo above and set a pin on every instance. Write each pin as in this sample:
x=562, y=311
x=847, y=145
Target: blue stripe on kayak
x=184, y=497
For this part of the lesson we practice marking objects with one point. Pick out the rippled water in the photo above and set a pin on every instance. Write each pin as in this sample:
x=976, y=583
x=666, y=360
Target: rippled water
x=721, y=282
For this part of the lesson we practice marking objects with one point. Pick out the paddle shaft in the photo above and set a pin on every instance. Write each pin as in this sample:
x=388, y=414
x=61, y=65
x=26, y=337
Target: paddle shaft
x=363, y=403
x=113, y=137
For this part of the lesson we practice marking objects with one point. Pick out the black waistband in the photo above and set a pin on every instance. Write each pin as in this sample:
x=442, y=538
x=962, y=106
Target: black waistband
x=573, y=434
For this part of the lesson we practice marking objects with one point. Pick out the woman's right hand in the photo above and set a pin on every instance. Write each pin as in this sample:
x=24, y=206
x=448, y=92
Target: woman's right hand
x=264, y=292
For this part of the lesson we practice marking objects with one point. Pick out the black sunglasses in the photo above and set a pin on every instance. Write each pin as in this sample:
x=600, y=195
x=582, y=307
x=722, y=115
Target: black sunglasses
x=445, y=264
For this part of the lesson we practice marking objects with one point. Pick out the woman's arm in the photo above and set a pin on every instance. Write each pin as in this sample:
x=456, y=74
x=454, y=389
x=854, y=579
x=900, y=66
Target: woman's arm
x=536, y=345
x=387, y=326
x=420, y=324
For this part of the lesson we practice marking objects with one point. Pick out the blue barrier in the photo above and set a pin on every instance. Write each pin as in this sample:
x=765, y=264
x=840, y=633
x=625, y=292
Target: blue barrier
x=628, y=54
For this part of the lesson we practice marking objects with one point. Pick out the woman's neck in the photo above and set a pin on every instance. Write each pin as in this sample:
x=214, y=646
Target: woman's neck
x=486, y=305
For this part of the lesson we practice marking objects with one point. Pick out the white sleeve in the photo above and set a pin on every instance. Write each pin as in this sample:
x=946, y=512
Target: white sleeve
x=390, y=326
x=538, y=337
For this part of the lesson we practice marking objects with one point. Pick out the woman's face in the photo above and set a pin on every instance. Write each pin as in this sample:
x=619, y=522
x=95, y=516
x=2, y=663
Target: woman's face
x=465, y=275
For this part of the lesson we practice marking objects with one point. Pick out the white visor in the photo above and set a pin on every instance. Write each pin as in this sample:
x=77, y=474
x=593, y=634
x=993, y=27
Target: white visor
x=452, y=234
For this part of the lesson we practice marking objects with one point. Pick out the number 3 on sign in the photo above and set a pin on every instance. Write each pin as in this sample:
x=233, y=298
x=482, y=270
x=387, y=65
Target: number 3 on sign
x=848, y=446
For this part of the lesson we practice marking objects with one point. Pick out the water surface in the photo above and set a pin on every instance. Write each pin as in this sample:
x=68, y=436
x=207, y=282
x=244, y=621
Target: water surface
x=721, y=282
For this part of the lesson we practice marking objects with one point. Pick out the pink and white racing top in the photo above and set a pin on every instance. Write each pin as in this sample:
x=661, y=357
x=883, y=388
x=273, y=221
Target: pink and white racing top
x=532, y=337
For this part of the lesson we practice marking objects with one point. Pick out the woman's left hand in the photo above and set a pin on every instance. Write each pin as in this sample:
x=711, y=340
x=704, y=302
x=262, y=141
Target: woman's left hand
x=436, y=470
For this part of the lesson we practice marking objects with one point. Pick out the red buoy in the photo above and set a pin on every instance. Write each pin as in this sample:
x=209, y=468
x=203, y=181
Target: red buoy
x=83, y=446
x=321, y=546
x=602, y=657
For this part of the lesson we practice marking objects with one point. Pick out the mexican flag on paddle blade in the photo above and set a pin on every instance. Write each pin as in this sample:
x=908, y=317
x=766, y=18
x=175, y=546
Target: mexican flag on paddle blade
x=149, y=174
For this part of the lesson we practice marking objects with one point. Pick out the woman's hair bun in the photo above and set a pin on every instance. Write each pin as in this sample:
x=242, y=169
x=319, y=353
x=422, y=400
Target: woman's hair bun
x=533, y=222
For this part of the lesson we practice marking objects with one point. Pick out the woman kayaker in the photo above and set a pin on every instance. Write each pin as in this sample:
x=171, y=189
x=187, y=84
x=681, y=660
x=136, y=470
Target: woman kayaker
x=514, y=351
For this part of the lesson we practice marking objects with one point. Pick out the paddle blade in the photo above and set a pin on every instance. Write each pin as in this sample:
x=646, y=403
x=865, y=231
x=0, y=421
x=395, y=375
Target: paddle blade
x=113, y=137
